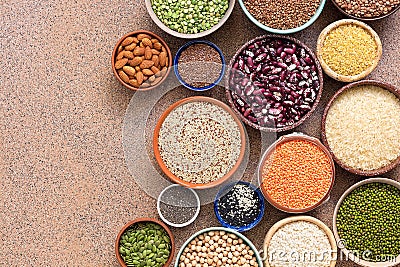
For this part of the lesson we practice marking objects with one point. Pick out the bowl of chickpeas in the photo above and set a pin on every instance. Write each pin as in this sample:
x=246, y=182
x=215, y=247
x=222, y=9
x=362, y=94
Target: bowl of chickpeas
x=218, y=246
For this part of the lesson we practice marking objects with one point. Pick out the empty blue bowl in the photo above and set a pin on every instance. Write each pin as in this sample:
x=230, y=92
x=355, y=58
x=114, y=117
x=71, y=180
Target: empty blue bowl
x=176, y=61
x=225, y=190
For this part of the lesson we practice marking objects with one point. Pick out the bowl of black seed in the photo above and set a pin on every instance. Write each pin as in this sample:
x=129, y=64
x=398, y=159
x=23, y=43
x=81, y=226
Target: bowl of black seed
x=199, y=65
x=239, y=206
x=178, y=206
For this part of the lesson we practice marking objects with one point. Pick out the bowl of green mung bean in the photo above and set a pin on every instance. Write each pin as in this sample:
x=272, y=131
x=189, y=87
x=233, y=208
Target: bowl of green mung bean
x=189, y=19
x=144, y=242
x=366, y=223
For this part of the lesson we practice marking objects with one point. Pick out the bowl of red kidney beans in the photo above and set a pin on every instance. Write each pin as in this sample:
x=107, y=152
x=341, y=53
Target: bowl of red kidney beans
x=274, y=83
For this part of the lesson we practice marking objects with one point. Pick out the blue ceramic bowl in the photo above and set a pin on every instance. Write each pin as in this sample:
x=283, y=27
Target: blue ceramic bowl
x=243, y=228
x=288, y=31
x=176, y=61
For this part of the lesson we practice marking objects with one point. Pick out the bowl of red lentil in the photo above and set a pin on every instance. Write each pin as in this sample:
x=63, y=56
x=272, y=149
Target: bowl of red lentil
x=360, y=127
x=199, y=142
x=348, y=50
x=367, y=10
x=296, y=173
x=282, y=17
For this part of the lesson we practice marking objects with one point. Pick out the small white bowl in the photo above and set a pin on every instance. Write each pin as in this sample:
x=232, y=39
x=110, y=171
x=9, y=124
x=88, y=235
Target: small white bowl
x=181, y=224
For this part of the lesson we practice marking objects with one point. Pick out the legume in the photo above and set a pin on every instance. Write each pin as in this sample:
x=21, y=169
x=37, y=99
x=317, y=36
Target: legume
x=283, y=14
x=199, y=142
x=300, y=244
x=240, y=206
x=367, y=8
x=274, y=82
x=349, y=50
x=217, y=248
x=199, y=65
x=190, y=16
x=178, y=204
x=297, y=175
x=145, y=244
x=362, y=127
x=369, y=220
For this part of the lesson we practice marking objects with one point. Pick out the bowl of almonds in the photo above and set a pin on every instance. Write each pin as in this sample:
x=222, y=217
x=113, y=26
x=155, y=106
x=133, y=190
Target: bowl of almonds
x=141, y=60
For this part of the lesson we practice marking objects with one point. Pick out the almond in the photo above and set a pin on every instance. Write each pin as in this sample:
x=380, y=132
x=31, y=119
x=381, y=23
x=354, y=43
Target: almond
x=154, y=40
x=123, y=76
x=147, y=53
x=139, y=77
x=157, y=80
x=134, y=83
x=120, y=63
x=152, y=78
x=155, y=51
x=139, y=51
x=158, y=46
x=137, y=68
x=163, y=49
x=141, y=36
x=147, y=72
x=155, y=70
x=119, y=48
x=127, y=41
x=155, y=59
x=128, y=54
x=135, y=40
x=147, y=42
x=131, y=46
x=146, y=64
x=166, y=62
x=129, y=70
x=135, y=61
x=163, y=58
x=145, y=85
x=120, y=55
x=145, y=78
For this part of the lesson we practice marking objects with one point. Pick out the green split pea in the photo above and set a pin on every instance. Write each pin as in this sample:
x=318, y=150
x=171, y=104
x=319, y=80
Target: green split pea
x=190, y=16
x=145, y=244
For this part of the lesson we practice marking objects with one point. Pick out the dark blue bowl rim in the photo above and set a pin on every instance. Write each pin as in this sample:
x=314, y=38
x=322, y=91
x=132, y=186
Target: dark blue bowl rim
x=245, y=227
x=176, y=60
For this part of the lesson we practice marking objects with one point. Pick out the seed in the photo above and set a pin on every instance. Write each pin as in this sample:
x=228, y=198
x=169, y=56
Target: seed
x=367, y=9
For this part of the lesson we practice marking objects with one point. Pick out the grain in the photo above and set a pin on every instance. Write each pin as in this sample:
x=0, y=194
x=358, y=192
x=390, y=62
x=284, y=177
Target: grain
x=362, y=127
x=297, y=175
x=299, y=244
x=367, y=8
x=349, y=50
x=199, y=142
x=284, y=14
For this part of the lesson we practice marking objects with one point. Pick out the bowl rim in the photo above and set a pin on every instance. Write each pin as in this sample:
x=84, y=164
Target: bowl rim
x=288, y=220
x=144, y=219
x=176, y=63
x=315, y=103
x=365, y=18
x=270, y=150
x=178, y=225
x=161, y=163
x=165, y=28
x=239, y=228
x=334, y=225
x=340, y=77
x=287, y=31
x=384, y=85
x=209, y=229
x=114, y=54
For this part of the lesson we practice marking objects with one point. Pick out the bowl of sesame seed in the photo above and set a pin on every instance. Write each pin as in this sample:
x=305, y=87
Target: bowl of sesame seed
x=199, y=142
x=282, y=17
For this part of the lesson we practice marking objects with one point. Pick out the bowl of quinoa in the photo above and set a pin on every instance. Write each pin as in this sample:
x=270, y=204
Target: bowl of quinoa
x=348, y=50
x=300, y=241
x=360, y=127
x=296, y=173
x=199, y=142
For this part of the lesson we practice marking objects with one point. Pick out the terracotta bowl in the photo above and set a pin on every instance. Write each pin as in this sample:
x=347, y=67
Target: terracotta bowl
x=271, y=149
x=343, y=78
x=302, y=119
x=347, y=253
x=129, y=224
x=161, y=163
x=379, y=171
x=115, y=52
x=365, y=18
x=187, y=35
x=310, y=219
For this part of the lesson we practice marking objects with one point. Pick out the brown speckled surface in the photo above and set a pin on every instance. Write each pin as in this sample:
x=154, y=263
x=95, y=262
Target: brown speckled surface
x=65, y=190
